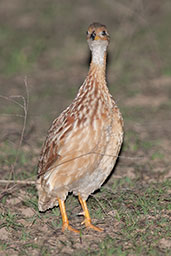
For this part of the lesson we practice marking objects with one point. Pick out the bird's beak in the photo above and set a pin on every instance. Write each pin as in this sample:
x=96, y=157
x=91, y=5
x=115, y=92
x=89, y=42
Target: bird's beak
x=96, y=38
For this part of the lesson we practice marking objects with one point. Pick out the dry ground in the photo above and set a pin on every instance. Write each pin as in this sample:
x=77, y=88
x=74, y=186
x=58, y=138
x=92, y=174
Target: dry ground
x=45, y=41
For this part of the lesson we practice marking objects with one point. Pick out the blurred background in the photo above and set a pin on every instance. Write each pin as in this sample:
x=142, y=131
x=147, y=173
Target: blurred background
x=44, y=59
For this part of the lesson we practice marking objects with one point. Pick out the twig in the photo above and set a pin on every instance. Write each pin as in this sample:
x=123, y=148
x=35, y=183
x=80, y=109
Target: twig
x=22, y=182
x=24, y=107
x=96, y=153
x=98, y=201
x=13, y=101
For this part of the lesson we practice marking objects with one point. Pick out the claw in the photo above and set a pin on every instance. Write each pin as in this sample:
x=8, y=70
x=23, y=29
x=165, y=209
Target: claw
x=88, y=224
x=66, y=226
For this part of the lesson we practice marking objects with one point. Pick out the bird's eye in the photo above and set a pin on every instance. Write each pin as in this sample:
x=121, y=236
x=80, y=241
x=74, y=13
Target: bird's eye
x=103, y=33
x=87, y=33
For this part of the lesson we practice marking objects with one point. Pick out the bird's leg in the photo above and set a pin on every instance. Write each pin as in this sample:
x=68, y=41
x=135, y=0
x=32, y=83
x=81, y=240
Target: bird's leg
x=65, y=222
x=87, y=220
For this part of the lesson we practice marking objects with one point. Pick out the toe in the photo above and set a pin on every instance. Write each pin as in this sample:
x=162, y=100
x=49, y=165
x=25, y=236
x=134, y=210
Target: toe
x=66, y=226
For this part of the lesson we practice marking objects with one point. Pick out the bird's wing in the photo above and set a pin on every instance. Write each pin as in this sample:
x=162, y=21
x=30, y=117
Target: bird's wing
x=48, y=156
x=54, y=140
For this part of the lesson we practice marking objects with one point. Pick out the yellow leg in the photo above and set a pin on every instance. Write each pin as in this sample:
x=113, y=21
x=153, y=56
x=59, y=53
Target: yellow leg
x=65, y=222
x=87, y=220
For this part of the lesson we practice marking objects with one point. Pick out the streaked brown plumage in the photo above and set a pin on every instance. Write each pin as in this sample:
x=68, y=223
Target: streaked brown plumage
x=84, y=141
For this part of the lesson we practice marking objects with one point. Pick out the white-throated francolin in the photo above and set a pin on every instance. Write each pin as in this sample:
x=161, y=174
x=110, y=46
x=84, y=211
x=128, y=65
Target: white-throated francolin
x=83, y=143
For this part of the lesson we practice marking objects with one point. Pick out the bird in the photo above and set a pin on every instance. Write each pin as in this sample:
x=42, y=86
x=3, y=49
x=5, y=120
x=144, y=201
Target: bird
x=84, y=141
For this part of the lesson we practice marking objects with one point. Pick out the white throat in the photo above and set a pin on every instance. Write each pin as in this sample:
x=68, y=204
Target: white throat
x=98, y=49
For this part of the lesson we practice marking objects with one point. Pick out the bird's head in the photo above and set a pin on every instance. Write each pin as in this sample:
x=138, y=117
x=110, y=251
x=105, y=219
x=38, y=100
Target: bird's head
x=97, y=36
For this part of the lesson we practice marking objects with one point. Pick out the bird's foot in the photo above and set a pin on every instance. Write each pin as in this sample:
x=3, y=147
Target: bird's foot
x=66, y=226
x=88, y=224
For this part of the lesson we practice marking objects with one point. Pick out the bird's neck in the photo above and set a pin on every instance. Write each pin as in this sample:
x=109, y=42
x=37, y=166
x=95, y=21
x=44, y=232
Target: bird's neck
x=94, y=91
x=95, y=82
x=99, y=55
x=97, y=71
